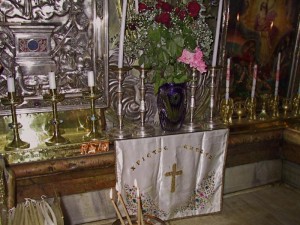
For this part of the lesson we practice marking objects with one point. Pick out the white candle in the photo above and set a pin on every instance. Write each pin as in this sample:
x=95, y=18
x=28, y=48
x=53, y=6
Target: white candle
x=52, y=82
x=277, y=74
x=227, y=79
x=91, y=79
x=116, y=208
x=254, y=81
x=11, y=84
x=125, y=209
x=136, y=6
x=122, y=35
x=278, y=62
x=218, y=26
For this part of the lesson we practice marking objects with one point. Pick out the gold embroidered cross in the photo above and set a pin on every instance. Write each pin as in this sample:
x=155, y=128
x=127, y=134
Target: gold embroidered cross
x=173, y=173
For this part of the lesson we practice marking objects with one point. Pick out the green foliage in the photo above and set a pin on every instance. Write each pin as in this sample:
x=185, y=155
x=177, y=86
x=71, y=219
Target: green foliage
x=162, y=41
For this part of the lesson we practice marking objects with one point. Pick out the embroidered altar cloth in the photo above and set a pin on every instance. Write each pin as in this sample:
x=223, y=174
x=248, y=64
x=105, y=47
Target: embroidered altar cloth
x=178, y=175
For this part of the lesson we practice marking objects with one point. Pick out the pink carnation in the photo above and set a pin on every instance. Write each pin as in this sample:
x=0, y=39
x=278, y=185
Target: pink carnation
x=198, y=62
x=186, y=57
x=195, y=60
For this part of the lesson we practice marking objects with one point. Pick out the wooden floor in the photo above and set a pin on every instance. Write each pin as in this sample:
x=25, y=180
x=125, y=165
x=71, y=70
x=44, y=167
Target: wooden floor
x=268, y=205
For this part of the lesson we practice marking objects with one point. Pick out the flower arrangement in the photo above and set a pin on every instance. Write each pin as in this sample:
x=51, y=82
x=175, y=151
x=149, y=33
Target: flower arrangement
x=169, y=39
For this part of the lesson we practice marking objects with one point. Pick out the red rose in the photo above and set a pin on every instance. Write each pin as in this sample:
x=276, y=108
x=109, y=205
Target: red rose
x=158, y=4
x=142, y=7
x=177, y=10
x=182, y=14
x=193, y=8
x=166, y=7
x=164, y=18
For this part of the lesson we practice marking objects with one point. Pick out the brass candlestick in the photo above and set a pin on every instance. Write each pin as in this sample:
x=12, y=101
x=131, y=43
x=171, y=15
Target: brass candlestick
x=56, y=139
x=143, y=129
x=213, y=121
x=226, y=110
x=120, y=132
x=263, y=115
x=239, y=108
x=274, y=103
x=296, y=106
x=13, y=101
x=93, y=134
x=251, y=108
x=190, y=125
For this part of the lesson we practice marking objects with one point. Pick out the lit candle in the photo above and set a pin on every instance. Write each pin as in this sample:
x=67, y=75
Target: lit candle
x=124, y=207
x=216, y=42
x=116, y=208
x=277, y=74
x=136, y=6
x=254, y=81
x=91, y=79
x=52, y=83
x=227, y=79
x=11, y=84
x=122, y=35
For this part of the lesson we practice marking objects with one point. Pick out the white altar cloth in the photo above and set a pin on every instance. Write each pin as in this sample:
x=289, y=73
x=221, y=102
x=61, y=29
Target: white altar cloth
x=178, y=175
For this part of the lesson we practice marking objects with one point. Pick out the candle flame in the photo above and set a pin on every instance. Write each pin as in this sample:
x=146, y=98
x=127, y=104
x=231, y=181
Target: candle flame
x=272, y=24
x=238, y=17
x=135, y=183
x=111, y=193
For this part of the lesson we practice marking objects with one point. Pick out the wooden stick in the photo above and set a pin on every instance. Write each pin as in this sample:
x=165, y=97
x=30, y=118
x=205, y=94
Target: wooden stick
x=125, y=209
x=116, y=209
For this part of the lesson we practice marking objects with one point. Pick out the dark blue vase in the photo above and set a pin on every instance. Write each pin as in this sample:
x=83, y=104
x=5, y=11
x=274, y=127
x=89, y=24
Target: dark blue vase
x=171, y=104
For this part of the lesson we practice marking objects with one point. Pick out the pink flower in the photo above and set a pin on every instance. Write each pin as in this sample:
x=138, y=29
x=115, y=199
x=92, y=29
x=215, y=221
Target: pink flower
x=197, y=62
x=186, y=57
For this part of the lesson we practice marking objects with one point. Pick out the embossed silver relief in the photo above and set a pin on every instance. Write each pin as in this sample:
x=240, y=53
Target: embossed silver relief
x=39, y=36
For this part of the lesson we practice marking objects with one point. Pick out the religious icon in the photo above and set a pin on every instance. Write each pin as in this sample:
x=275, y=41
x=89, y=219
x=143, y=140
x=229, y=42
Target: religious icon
x=257, y=31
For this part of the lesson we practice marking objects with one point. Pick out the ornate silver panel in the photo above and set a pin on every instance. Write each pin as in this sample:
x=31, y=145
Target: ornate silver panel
x=69, y=37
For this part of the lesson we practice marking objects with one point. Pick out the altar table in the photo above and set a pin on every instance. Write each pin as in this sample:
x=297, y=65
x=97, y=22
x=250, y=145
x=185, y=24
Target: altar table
x=178, y=175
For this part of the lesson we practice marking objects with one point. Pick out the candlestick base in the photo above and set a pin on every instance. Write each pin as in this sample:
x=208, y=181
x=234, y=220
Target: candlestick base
x=16, y=144
x=120, y=133
x=56, y=141
x=191, y=127
x=143, y=130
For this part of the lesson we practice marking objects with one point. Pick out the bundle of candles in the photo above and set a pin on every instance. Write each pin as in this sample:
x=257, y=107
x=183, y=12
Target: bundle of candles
x=140, y=218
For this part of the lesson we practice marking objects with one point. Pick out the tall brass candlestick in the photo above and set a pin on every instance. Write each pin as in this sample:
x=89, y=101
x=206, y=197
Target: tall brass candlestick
x=119, y=132
x=263, y=115
x=251, y=108
x=143, y=129
x=93, y=134
x=16, y=143
x=56, y=139
x=226, y=110
x=296, y=106
x=274, y=104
